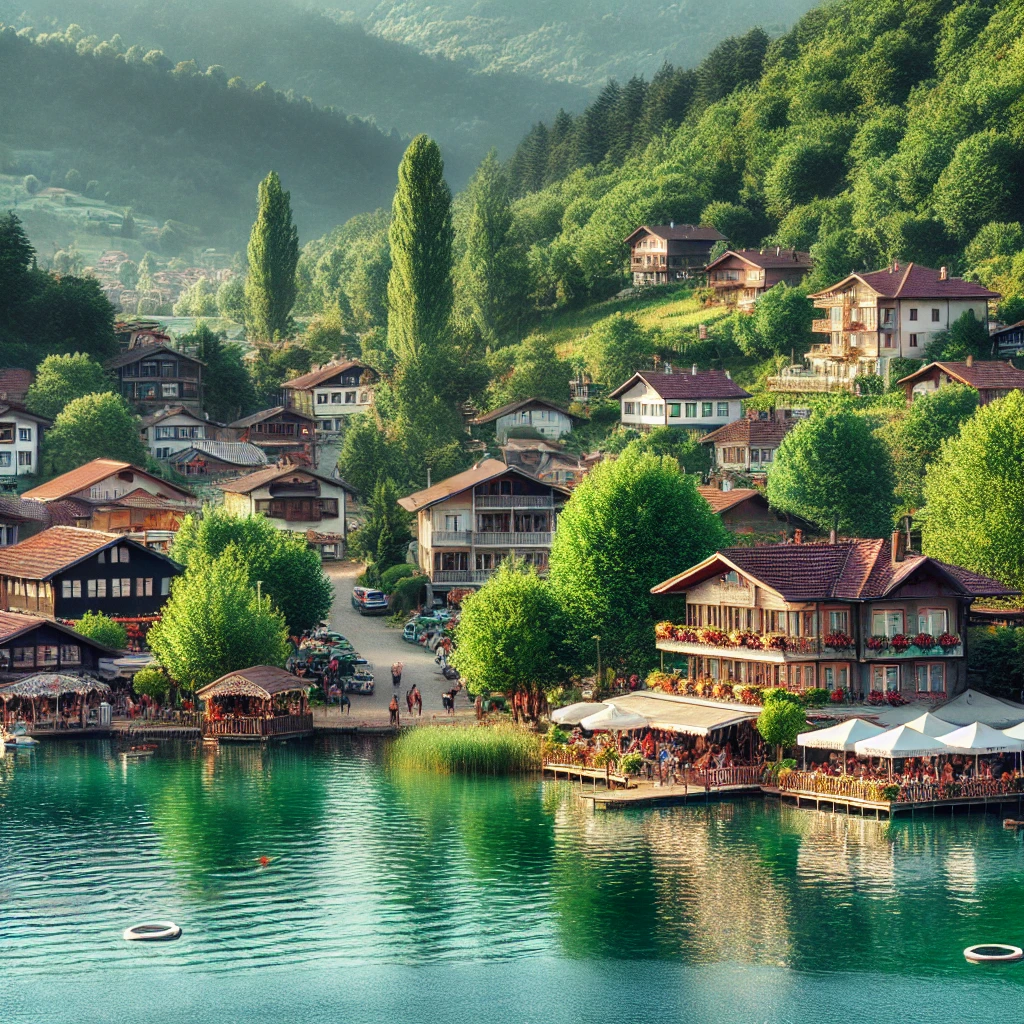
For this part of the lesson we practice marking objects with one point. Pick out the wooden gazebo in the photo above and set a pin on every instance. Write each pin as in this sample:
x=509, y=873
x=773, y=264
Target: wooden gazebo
x=55, y=704
x=254, y=704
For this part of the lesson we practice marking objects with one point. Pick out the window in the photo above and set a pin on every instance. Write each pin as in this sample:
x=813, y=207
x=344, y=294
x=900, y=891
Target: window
x=163, y=453
x=147, y=391
x=321, y=398
x=169, y=390
x=165, y=586
x=7, y=433
x=119, y=554
x=839, y=622
x=723, y=408
x=71, y=588
x=658, y=410
x=835, y=675
x=162, y=433
x=885, y=677
x=46, y=655
x=350, y=398
x=24, y=433
x=452, y=522
x=5, y=459
x=5, y=659
x=150, y=370
x=629, y=408
x=485, y=560
x=101, y=557
x=364, y=397
x=70, y=654
x=96, y=588
x=931, y=677
x=336, y=397
x=24, y=657
x=673, y=409
x=143, y=586
x=766, y=455
x=24, y=458
x=120, y=588
x=913, y=314
x=691, y=410
x=705, y=408
x=755, y=455
x=643, y=410
x=935, y=316
x=933, y=620
x=913, y=341
x=887, y=622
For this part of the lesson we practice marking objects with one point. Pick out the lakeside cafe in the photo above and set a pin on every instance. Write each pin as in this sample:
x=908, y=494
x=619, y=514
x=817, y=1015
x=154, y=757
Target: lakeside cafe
x=256, y=704
x=56, y=704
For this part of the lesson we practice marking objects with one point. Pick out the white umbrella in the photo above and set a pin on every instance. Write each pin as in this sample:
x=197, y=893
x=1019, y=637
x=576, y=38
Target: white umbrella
x=928, y=724
x=1015, y=732
x=901, y=742
x=613, y=719
x=979, y=738
x=843, y=736
x=573, y=714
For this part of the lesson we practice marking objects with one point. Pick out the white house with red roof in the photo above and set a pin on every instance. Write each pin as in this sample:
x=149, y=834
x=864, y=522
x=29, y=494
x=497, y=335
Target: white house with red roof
x=698, y=400
x=874, y=317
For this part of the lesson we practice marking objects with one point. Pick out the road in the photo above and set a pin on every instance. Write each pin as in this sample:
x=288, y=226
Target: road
x=383, y=645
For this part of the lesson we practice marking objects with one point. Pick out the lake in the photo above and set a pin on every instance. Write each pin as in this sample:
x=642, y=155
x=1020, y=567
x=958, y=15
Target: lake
x=398, y=898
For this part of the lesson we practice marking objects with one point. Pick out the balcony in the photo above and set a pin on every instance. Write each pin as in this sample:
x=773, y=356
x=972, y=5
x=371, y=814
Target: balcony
x=822, y=326
x=514, y=501
x=458, y=538
x=513, y=540
x=809, y=382
x=899, y=652
x=461, y=575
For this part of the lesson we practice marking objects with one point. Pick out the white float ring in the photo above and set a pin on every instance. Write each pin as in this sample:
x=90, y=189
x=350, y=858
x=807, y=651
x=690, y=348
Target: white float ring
x=1008, y=953
x=157, y=931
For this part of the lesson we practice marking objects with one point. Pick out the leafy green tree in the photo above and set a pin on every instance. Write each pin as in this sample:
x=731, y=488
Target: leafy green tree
x=682, y=445
x=96, y=426
x=288, y=569
x=97, y=626
x=531, y=369
x=385, y=535
x=214, y=623
x=32, y=184
x=741, y=227
x=979, y=183
x=199, y=299
x=996, y=238
x=631, y=523
x=273, y=255
x=327, y=339
x=231, y=299
x=62, y=379
x=510, y=636
x=974, y=494
x=151, y=682
x=779, y=723
x=832, y=471
x=781, y=321
x=967, y=336
x=915, y=440
x=996, y=654
x=368, y=454
x=73, y=181
x=617, y=348
x=128, y=274
x=127, y=224
x=229, y=388
x=493, y=274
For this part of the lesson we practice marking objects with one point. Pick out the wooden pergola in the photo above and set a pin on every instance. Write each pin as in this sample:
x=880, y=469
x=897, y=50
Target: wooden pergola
x=52, y=703
x=255, y=704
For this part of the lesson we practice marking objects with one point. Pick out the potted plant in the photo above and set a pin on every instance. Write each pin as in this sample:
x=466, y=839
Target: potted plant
x=876, y=697
x=924, y=641
x=900, y=642
x=837, y=696
x=877, y=643
x=948, y=641
x=664, y=631
x=838, y=641
x=774, y=642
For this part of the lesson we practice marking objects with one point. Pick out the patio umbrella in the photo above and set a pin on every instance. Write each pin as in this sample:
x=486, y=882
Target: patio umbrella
x=573, y=714
x=613, y=719
x=1015, y=732
x=900, y=742
x=843, y=736
x=928, y=724
x=979, y=738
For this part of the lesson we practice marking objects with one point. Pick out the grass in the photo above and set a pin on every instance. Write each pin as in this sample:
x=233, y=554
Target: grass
x=470, y=750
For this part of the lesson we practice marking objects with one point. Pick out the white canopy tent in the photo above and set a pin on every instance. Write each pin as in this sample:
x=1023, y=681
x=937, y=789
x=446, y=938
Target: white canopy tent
x=843, y=736
x=979, y=738
x=573, y=714
x=1015, y=732
x=613, y=719
x=928, y=724
x=900, y=742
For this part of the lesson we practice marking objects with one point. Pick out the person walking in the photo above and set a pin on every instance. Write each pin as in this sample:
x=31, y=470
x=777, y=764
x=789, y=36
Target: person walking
x=409, y=700
x=396, y=673
x=393, y=709
x=346, y=703
x=417, y=699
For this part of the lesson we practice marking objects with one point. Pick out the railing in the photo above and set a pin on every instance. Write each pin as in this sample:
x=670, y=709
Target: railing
x=461, y=575
x=280, y=725
x=451, y=537
x=809, y=382
x=822, y=326
x=513, y=539
x=814, y=784
x=913, y=651
x=737, y=775
x=513, y=501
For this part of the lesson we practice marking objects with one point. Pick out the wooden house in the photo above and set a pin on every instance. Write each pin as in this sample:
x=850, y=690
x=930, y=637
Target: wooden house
x=1008, y=341
x=256, y=704
x=858, y=615
x=65, y=571
x=740, y=277
x=217, y=460
x=31, y=644
x=21, y=432
x=991, y=380
x=174, y=428
x=549, y=419
x=152, y=375
x=279, y=431
x=747, y=446
x=332, y=393
x=745, y=510
x=663, y=253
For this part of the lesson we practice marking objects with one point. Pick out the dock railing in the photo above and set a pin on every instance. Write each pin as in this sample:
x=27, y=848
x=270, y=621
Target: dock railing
x=281, y=725
x=848, y=786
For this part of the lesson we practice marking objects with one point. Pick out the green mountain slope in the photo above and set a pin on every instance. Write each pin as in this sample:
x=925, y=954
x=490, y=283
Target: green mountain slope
x=178, y=143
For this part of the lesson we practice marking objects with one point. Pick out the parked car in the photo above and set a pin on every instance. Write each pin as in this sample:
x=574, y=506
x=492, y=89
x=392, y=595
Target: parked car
x=369, y=602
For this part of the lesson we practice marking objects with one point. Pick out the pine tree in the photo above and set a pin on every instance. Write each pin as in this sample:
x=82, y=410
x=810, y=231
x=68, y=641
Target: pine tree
x=273, y=256
x=560, y=148
x=668, y=98
x=493, y=273
x=592, y=127
x=528, y=166
x=624, y=119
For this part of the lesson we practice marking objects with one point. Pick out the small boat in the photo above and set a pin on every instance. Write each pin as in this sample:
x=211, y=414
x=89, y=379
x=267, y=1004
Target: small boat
x=19, y=738
x=157, y=931
x=142, y=750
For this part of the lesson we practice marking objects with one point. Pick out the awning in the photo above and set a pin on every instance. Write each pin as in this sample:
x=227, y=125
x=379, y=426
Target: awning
x=979, y=738
x=676, y=714
x=614, y=719
x=52, y=684
x=928, y=724
x=974, y=706
x=843, y=736
x=901, y=742
x=573, y=714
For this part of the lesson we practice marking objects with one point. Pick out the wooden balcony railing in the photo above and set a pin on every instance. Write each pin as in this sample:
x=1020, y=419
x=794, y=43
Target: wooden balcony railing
x=456, y=537
x=461, y=575
x=822, y=326
x=513, y=501
x=512, y=540
x=280, y=725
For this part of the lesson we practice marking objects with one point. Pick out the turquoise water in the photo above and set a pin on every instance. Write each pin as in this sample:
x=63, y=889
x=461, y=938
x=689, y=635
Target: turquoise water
x=407, y=898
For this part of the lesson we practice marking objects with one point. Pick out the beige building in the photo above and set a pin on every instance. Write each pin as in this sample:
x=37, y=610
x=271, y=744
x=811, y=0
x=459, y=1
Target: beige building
x=466, y=525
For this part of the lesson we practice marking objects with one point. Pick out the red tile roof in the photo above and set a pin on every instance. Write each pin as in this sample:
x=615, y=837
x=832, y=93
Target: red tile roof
x=262, y=477
x=688, y=232
x=769, y=259
x=914, y=281
x=91, y=473
x=722, y=501
x=675, y=386
x=57, y=548
x=321, y=376
x=14, y=383
x=753, y=432
x=853, y=570
x=980, y=374
x=481, y=473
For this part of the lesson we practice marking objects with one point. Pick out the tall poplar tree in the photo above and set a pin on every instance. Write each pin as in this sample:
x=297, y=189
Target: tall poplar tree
x=493, y=274
x=273, y=256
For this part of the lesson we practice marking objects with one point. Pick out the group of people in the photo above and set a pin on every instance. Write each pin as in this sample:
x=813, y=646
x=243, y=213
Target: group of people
x=958, y=768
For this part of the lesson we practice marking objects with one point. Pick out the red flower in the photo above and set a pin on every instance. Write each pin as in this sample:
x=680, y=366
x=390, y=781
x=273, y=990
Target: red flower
x=900, y=642
x=924, y=641
x=949, y=640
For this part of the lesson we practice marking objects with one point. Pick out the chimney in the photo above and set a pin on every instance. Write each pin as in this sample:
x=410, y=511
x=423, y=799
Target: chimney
x=693, y=370
x=943, y=274
x=970, y=360
x=728, y=374
x=668, y=367
x=798, y=536
x=898, y=545
x=895, y=266
x=671, y=223
x=832, y=535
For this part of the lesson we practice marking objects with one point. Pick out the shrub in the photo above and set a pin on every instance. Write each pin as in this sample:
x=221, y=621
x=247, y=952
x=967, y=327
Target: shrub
x=780, y=695
x=816, y=697
x=151, y=682
x=96, y=626
x=483, y=750
x=408, y=593
x=389, y=577
x=630, y=764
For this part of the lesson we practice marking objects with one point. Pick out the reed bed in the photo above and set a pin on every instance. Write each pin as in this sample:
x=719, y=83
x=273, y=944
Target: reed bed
x=468, y=750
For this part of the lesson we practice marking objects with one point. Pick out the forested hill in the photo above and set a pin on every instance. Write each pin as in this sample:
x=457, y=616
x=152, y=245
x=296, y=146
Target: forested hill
x=874, y=130
x=180, y=142
x=333, y=61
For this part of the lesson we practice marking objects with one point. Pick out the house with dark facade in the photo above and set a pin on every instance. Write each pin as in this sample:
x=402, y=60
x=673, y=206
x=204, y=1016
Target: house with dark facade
x=745, y=510
x=662, y=253
x=66, y=571
x=153, y=376
x=858, y=615
x=29, y=644
x=279, y=431
x=740, y=277
x=991, y=379
x=1008, y=341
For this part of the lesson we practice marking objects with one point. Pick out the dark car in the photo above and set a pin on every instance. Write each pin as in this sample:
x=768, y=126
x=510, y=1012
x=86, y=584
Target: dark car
x=369, y=602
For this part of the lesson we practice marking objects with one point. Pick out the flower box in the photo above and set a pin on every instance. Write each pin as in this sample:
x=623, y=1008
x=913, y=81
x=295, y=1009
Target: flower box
x=900, y=642
x=839, y=641
x=948, y=641
x=877, y=643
